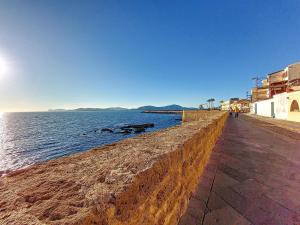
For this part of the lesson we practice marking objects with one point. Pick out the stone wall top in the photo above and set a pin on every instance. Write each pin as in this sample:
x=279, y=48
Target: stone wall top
x=68, y=189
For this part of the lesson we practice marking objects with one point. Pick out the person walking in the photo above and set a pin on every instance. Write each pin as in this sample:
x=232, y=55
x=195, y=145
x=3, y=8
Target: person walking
x=230, y=112
x=236, y=112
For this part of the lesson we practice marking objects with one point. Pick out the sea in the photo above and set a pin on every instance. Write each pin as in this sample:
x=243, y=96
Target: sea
x=31, y=137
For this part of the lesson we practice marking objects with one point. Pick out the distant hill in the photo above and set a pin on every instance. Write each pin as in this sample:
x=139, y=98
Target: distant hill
x=56, y=110
x=100, y=109
x=143, y=108
x=89, y=109
x=167, y=107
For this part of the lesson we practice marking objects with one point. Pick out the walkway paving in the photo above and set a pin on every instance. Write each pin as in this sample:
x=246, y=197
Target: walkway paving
x=289, y=125
x=252, y=178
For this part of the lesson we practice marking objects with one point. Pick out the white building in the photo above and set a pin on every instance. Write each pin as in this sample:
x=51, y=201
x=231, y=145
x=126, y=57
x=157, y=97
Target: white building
x=276, y=107
x=285, y=104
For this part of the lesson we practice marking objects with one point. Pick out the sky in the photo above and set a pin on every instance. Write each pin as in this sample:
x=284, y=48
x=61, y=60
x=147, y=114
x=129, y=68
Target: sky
x=69, y=54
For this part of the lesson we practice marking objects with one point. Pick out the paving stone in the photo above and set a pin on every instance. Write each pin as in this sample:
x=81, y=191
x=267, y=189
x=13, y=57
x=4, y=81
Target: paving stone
x=215, y=202
x=196, y=208
x=251, y=188
x=187, y=219
x=285, y=196
x=277, y=211
x=256, y=215
x=270, y=180
x=281, y=123
x=256, y=178
x=297, y=209
x=234, y=199
x=285, y=217
x=269, y=205
x=276, y=222
x=222, y=180
x=212, y=166
x=208, y=175
x=225, y=216
x=202, y=192
x=234, y=173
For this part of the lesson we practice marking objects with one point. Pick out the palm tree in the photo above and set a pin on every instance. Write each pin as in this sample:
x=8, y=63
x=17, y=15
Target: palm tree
x=210, y=103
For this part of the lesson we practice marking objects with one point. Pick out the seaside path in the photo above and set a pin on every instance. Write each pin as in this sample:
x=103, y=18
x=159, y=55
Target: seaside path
x=252, y=178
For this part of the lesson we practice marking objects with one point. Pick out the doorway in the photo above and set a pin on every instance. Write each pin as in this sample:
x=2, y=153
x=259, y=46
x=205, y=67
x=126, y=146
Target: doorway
x=272, y=110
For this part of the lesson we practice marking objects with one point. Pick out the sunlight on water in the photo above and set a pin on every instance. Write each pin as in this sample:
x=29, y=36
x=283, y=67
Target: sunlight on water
x=27, y=138
x=2, y=157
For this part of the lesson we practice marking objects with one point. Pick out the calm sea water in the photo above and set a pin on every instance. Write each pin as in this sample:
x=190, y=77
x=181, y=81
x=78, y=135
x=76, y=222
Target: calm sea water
x=27, y=138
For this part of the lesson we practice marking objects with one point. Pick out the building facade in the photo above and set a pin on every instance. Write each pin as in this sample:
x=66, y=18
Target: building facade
x=242, y=104
x=225, y=105
x=294, y=106
x=280, y=96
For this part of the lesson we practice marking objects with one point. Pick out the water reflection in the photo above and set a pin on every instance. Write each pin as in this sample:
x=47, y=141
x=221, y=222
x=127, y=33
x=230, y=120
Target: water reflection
x=26, y=138
x=2, y=153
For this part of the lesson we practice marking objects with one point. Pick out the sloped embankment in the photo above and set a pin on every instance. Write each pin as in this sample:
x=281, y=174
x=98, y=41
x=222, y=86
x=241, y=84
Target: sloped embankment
x=147, y=179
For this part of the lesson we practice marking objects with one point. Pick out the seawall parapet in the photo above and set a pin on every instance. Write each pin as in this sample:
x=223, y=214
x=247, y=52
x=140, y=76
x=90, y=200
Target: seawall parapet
x=145, y=180
x=163, y=111
x=197, y=115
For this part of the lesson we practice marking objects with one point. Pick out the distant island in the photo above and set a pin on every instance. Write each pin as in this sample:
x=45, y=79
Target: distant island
x=173, y=107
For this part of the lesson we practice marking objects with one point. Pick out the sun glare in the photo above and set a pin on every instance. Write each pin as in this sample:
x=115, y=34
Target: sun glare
x=4, y=67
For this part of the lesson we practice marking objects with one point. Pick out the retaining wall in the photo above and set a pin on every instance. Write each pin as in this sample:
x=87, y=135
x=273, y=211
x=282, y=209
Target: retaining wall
x=145, y=180
x=197, y=115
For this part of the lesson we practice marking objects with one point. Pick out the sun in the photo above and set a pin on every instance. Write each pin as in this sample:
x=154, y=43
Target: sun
x=4, y=67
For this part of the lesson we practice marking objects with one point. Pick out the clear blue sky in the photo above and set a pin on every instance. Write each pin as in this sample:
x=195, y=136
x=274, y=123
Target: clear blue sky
x=131, y=53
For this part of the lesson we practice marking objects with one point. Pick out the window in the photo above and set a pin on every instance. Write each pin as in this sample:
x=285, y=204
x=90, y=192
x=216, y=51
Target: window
x=294, y=106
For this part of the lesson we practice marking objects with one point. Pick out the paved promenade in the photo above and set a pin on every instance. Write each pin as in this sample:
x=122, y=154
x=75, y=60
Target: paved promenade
x=289, y=125
x=252, y=178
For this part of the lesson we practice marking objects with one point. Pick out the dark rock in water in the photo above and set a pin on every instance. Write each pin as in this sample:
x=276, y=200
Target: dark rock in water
x=179, y=119
x=127, y=129
x=107, y=130
x=139, y=129
x=95, y=130
x=124, y=132
x=137, y=126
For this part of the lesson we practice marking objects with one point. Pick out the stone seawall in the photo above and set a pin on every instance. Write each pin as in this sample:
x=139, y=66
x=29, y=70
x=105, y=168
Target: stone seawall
x=196, y=115
x=145, y=180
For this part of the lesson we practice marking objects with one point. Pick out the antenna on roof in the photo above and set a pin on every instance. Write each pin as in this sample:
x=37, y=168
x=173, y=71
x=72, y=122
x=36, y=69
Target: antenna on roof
x=257, y=80
x=248, y=96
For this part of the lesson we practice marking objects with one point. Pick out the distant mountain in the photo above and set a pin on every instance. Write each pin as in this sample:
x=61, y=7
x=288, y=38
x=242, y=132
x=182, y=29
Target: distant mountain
x=143, y=108
x=89, y=109
x=167, y=107
x=100, y=109
x=56, y=110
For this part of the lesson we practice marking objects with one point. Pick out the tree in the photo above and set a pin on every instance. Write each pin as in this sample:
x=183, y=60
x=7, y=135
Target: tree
x=211, y=103
x=201, y=106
